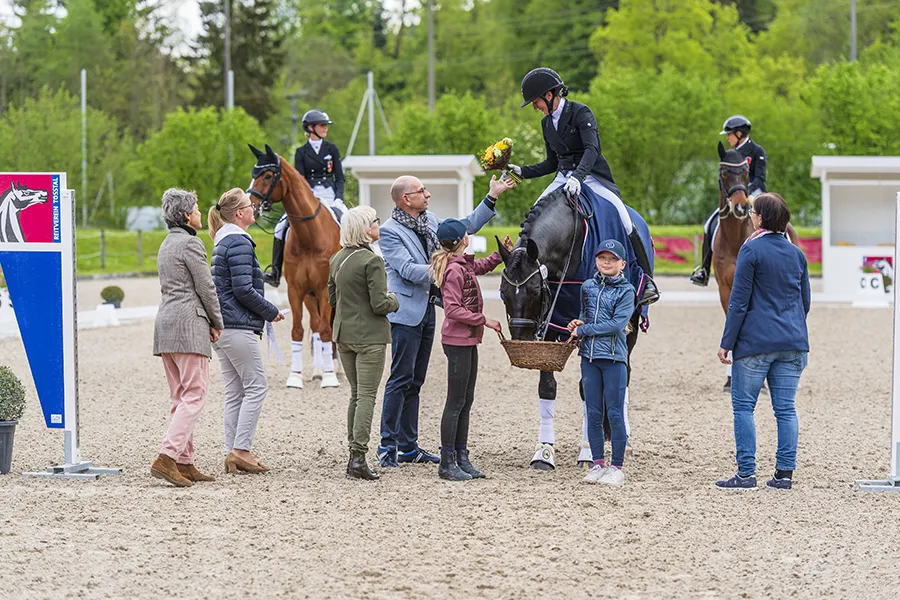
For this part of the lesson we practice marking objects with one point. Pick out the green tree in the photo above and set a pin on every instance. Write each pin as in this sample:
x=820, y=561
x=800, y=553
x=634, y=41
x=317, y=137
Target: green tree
x=200, y=149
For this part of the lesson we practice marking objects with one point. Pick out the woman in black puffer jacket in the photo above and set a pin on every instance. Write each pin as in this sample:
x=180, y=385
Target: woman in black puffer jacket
x=239, y=285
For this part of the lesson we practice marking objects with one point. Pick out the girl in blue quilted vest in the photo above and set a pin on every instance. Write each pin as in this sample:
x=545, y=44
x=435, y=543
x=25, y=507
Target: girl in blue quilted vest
x=607, y=303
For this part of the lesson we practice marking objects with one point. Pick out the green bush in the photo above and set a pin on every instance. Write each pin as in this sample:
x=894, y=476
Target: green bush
x=112, y=294
x=12, y=395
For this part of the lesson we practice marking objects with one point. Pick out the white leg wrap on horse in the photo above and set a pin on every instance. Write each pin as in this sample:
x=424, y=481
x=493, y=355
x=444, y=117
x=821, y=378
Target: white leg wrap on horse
x=317, y=351
x=297, y=357
x=584, y=422
x=281, y=227
x=327, y=357
x=547, y=409
x=625, y=415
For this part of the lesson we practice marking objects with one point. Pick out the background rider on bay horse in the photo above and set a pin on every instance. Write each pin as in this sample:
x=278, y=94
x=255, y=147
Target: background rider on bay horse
x=319, y=161
x=737, y=128
x=573, y=152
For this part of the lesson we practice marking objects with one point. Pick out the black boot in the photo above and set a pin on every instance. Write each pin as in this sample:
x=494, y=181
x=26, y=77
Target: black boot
x=449, y=469
x=358, y=469
x=650, y=293
x=272, y=275
x=462, y=459
x=700, y=276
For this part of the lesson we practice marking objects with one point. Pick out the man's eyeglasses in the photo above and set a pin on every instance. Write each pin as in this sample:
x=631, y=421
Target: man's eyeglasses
x=421, y=191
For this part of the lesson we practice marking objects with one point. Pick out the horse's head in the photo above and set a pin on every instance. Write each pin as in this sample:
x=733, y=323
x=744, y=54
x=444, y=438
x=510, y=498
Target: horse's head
x=524, y=289
x=267, y=186
x=24, y=197
x=734, y=179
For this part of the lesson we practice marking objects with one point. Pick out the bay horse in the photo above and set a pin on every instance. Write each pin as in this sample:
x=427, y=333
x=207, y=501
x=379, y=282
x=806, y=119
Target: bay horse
x=734, y=226
x=550, y=250
x=312, y=239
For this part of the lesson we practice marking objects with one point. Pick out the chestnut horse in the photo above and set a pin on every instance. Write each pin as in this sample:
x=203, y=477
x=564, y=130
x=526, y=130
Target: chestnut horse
x=734, y=225
x=312, y=239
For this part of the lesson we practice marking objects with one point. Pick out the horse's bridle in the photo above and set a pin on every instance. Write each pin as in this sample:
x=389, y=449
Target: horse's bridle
x=545, y=296
x=728, y=209
x=265, y=200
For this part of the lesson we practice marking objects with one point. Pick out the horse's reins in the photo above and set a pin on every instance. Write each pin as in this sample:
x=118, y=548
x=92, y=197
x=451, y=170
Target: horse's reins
x=728, y=208
x=545, y=286
x=266, y=199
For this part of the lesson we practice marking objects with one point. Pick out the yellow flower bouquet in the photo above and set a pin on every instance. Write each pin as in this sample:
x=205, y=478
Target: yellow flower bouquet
x=496, y=158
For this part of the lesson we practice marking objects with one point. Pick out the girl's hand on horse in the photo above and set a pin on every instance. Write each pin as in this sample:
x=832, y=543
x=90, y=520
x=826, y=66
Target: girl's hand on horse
x=723, y=356
x=492, y=324
x=508, y=244
x=498, y=186
x=214, y=334
x=574, y=324
x=278, y=317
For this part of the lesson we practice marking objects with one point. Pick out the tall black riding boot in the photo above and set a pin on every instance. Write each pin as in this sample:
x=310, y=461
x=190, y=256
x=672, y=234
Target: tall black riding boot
x=358, y=469
x=272, y=275
x=650, y=294
x=700, y=276
x=462, y=459
x=449, y=469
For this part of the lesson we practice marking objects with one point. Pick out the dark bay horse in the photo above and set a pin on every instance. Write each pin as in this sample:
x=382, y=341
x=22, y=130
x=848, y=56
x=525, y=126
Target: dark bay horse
x=313, y=237
x=552, y=234
x=734, y=225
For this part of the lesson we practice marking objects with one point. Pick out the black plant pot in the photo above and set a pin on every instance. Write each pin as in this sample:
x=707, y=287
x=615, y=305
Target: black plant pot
x=115, y=304
x=7, y=432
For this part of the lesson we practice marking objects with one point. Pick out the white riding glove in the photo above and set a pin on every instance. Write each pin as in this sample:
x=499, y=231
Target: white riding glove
x=573, y=187
x=515, y=169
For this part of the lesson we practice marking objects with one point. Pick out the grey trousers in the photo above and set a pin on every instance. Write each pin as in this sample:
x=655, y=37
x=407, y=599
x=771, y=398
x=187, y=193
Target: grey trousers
x=364, y=367
x=245, y=385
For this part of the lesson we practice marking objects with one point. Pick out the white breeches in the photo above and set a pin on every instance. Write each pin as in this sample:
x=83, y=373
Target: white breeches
x=599, y=189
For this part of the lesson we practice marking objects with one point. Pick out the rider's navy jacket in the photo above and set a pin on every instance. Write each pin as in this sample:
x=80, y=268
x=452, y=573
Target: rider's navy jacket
x=769, y=300
x=756, y=156
x=574, y=145
x=323, y=168
x=607, y=304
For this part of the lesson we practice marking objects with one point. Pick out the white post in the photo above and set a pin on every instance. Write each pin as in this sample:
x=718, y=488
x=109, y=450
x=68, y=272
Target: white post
x=371, y=96
x=84, y=195
x=230, y=91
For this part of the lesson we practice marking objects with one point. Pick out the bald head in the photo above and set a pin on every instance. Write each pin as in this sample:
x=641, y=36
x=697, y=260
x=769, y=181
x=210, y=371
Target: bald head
x=402, y=185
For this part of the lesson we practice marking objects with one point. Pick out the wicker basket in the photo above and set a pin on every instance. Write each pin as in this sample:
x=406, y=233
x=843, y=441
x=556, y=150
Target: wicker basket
x=540, y=356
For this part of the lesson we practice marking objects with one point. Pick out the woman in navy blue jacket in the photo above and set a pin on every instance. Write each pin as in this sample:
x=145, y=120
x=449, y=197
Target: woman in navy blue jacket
x=765, y=331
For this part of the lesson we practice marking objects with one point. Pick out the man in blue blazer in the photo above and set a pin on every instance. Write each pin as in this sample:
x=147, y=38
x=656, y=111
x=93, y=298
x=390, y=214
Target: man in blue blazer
x=407, y=241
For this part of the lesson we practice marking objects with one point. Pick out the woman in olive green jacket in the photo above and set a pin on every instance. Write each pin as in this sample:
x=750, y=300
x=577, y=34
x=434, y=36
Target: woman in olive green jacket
x=357, y=289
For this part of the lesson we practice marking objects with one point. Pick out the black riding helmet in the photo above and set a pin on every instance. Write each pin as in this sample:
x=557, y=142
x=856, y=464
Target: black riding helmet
x=736, y=123
x=315, y=117
x=540, y=81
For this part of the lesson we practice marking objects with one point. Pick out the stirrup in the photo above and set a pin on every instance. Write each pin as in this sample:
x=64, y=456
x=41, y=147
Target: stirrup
x=650, y=293
x=272, y=276
x=700, y=276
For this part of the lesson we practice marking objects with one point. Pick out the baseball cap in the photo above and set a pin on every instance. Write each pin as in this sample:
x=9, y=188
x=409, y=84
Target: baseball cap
x=451, y=231
x=613, y=247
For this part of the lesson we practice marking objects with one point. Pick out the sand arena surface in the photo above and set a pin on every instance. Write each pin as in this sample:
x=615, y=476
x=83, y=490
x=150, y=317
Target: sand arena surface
x=303, y=531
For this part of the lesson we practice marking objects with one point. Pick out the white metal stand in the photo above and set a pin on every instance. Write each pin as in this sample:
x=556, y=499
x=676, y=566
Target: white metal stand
x=892, y=483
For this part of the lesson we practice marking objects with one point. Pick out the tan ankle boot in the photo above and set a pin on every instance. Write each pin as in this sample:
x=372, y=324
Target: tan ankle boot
x=191, y=472
x=165, y=468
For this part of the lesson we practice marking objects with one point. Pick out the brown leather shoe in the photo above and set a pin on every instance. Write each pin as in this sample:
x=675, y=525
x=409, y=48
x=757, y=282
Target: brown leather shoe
x=191, y=472
x=236, y=463
x=166, y=469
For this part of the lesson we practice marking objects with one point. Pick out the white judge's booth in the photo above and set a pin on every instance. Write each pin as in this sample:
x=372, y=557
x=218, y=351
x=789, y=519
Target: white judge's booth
x=859, y=203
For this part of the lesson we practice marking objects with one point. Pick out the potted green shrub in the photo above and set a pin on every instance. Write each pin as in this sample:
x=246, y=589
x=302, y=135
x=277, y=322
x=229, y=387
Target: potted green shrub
x=113, y=294
x=12, y=405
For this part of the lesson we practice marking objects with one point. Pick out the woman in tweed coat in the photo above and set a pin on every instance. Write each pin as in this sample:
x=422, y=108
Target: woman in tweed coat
x=189, y=319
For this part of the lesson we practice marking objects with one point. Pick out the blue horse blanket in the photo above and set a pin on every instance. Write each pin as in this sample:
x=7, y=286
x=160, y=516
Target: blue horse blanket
x=603, y=224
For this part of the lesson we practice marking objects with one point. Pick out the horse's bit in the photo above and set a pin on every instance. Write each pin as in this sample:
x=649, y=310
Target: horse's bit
x=266, y=199
x=728, y=209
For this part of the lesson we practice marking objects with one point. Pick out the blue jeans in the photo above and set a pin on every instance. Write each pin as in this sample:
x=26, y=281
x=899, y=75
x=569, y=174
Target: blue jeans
x=604, y=382
x=782, y=370
x=410, y=353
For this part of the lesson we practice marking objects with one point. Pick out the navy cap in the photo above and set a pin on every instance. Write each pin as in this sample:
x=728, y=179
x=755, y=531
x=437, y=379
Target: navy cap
x=613, y=247
x=451, y=231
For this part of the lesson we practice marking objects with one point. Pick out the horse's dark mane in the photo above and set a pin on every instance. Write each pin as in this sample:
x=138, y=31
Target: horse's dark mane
x=534, y=213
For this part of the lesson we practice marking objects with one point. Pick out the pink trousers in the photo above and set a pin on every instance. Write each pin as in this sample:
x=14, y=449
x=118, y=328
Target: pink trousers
x=188, y=376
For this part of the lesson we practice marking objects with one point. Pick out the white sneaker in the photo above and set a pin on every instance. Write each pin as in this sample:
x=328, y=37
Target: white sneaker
x=595, y=474
x=612, y=476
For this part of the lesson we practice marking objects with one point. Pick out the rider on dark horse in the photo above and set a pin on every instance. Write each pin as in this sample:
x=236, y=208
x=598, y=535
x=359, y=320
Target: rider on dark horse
x=319, y=161
x=737, y=128
x=573, y=152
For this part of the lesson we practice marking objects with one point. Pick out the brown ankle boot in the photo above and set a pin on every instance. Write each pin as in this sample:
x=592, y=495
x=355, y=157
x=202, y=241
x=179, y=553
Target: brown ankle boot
x=191, y=472
x=165, y=468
